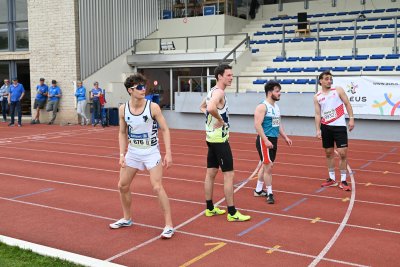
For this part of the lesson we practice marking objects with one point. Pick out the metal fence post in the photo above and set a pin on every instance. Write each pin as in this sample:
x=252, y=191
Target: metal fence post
x=318, y=50
x=283, y=53
x=354, y=52
x=395, y=49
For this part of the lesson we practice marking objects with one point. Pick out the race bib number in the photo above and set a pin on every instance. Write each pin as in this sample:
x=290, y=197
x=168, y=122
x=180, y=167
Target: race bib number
x=329, y=115
x=275, y=122
x=141, y=141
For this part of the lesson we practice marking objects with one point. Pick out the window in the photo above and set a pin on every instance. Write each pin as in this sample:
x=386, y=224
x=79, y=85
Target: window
x=14, y=25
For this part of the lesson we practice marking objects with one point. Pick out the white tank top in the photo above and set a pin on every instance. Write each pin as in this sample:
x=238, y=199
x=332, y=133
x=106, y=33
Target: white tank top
x=332, y=108
x=219, y=135
x=142, y=131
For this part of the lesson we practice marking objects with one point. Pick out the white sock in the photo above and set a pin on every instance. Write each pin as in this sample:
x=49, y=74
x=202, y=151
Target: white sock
x=259, y=186
x=269, y=189
x=332, y=174
x=343, y=174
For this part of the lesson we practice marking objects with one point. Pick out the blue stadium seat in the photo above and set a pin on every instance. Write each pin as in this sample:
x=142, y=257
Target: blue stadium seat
x=327, y=29
x=296, y=69
x=259, y=81
x=278, y=59
x=342, y=28
x=253, y=42
x=348, y=37
x=309, y=39
x=366, y=11
x=267, y=26
x=375, y=36
x=258, y=33
x=377, y=56
x=255, y=50
x=353, y=12
x=287, y=81
x=341, y=13
x=388, y=35
x=274, y=41
x=339, y=68
x=367, y=27
x=269, y=70
x=292, y=59
x=393, y=9
x=321, y=69
x=386, y=19
x=370, y=68
x=361, y=57
x=346, y=58
x=305, y=58
x=386, y=68
x=378, y=11
x=320, y=58
x=382, y=26
x=362, y=37
x=335, y=38
x=323, y=38
x=302, y=81
x=310, y=69
x=398, y=68
x=392, y=56
x=330, y=14
x=372, y=19
x=312, y=81
x=297, y=40
x=354, y=68
x=283, y=70
x=330, y=58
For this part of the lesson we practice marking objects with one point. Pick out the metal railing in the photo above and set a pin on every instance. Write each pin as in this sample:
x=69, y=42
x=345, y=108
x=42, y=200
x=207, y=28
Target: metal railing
x=355, y=21
x=187, y=38
x=246, y=41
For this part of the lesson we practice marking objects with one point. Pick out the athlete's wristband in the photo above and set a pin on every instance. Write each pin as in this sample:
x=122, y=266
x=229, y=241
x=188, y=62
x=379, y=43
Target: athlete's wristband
x=122, y=155
x=351, y=117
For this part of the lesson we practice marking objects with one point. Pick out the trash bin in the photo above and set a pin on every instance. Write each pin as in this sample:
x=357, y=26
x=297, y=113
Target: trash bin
x=113, y=118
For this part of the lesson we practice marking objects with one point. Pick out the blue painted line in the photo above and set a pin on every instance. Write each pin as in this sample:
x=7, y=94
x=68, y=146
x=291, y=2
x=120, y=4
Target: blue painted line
x=393, y=150
x=382, y=156
x=238, y=184
x=320, y=190
x=295, y=204
x=254, y=227
x=366, y=164
x=34, y=193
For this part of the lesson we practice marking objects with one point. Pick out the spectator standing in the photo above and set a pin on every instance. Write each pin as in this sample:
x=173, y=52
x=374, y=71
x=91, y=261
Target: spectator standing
x=4, y=93
x=95, y=94
x=40, y=101
x=80, y=94
x=54, y=95
x=17, y=92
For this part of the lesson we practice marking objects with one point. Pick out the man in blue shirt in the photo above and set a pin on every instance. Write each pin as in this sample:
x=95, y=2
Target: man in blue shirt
x=40, y=100
x=4, y=92
x=17, y=92
x=80, y=94
x=54, y=95
x=95, y=94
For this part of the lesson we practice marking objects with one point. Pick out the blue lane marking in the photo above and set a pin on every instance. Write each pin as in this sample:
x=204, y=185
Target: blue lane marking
x=366, y=164
x=295, y=204
x=393, y=150
x=34, y=193
x=320, y=190
x=254, y=227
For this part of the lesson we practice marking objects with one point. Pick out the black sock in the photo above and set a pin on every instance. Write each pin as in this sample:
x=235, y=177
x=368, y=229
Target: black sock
x=210, y=205
x=231, y=210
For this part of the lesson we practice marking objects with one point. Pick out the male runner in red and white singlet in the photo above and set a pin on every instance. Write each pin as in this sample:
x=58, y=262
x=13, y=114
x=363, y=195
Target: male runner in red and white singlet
x=330, y=124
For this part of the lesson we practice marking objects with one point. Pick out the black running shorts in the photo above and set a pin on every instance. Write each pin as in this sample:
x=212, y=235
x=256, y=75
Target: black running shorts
x=220, y=155
x=267, y=155
x=334, y=134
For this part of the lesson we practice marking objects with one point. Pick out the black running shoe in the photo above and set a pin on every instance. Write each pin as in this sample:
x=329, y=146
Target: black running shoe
x=270, y=199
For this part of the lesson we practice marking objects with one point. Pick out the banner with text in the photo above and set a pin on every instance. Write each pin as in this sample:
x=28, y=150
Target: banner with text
x=372, y=95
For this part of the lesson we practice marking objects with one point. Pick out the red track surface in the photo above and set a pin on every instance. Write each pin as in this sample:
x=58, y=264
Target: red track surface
x=77, y=169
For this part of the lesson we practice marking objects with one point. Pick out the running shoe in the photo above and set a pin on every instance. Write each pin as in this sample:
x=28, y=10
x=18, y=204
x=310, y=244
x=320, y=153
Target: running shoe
x=11, y=124
x=343, y=185
x=121, y=223
x=215, y=211
x=329, y=182
x=238, y=217
x=262, y=193
x=167, y=233
x=270, y=199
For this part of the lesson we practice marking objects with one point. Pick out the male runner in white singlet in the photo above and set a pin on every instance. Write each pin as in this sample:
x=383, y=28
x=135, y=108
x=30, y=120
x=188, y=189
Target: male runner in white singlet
x=139, y=120
x=267, y=122
x=330, y=125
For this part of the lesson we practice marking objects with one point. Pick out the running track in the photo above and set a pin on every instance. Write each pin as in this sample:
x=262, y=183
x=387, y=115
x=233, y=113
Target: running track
x=58, y=188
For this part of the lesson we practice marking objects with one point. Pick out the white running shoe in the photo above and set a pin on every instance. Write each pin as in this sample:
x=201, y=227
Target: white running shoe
x=121, y=223
x=168, y=232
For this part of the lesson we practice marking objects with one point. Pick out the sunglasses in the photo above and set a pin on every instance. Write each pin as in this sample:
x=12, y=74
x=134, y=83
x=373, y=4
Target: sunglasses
x=139, y=87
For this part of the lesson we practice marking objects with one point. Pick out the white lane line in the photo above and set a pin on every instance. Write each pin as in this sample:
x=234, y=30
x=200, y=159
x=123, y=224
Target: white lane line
x=179, y=231
x=342, y=224
x=185, y=222
x=201, y=203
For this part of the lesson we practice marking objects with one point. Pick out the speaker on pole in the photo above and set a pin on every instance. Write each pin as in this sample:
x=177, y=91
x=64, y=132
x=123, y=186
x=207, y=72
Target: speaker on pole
x=302, y=20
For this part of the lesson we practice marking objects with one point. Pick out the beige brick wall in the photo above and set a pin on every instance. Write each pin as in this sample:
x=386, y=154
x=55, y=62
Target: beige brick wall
x=23, y=55
x=54, y=51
